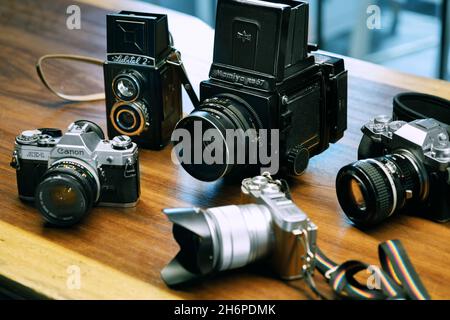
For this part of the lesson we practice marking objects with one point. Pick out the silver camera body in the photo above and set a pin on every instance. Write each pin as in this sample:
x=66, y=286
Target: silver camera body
x=289, y=223
x=271, y=228
x=427, y=139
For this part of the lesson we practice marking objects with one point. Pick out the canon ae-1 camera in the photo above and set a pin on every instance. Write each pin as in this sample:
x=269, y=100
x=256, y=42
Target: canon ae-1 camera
x=402, y=167
x=223, y=238
x=143, y=78
x=264, y=78
x=66, y=175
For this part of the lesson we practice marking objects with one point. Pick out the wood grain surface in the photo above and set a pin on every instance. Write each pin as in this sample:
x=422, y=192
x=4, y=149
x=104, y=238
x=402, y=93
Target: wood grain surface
x=121, y=252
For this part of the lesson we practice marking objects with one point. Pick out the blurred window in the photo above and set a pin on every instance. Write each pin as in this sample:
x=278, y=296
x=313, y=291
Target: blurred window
x=407, y=35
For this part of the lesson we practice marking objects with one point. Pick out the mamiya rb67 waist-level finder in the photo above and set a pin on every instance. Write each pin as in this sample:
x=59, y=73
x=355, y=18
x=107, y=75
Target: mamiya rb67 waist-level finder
x=264, y=77
x=66, y=175
x=403, y=166
x=143, y=78
x=217, y=239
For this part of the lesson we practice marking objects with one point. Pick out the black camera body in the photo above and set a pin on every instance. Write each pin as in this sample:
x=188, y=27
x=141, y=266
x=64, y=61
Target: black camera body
x=67, y=174
x=402, y=167
x=264, y=76
x=143, y=89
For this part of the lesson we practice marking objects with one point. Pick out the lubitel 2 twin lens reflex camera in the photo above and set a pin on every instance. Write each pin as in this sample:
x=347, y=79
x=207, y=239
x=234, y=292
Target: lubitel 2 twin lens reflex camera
x=143, y=78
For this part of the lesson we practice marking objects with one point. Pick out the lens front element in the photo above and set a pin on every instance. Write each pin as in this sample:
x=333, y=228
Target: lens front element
x=219, y=154
x=356, y=192
x=67, y=192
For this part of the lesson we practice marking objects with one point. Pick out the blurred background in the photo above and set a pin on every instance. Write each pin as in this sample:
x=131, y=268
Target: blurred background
x=407, y=35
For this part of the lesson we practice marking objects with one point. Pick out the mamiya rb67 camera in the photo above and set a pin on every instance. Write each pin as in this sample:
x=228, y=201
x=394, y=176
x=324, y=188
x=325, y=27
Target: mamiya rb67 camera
x=264, y=78
x=403, y=166
x=66, y=175
x=224, y=238
x=142, y=82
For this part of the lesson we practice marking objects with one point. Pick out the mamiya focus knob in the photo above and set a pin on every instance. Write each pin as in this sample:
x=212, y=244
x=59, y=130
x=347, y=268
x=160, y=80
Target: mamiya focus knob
x=122, y=143
x=297, y=159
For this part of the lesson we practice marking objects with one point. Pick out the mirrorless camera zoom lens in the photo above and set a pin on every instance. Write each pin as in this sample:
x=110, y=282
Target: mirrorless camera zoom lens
x=221, y=114
x=68, y=191
x=218, y=239
x=369, y=191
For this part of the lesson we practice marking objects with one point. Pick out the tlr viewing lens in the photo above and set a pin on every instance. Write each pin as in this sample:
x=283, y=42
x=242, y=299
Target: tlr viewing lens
x=126, y=88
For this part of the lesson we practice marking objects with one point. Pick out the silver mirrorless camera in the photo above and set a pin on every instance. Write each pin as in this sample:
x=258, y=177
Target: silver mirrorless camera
x=223, y=238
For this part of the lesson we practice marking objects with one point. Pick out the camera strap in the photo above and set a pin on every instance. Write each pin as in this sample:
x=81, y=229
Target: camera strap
x=412, y=106
x=395, y=280
x=75, y=98
x=173, y=59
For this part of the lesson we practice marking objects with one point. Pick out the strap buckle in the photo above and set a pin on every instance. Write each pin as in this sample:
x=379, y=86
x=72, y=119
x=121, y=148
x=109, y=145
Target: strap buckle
x=330, y=272
x=309, y=257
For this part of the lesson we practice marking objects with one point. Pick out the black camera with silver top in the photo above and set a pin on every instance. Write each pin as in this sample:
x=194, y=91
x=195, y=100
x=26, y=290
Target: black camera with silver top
x=272, y=227
x=403, y=166
x=66, y=175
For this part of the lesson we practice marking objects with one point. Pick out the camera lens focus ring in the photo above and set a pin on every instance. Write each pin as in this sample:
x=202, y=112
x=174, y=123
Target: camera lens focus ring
x=386, y=195
x=374, y=198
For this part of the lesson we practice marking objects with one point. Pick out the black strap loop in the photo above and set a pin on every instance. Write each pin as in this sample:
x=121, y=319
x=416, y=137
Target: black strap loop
x=396, y=279
x=412, y=106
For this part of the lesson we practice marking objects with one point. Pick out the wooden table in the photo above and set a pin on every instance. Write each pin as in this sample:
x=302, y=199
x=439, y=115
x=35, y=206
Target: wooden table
x=121, y=252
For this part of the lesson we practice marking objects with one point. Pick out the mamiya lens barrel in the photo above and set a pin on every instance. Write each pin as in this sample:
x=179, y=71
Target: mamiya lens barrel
x=221, y=114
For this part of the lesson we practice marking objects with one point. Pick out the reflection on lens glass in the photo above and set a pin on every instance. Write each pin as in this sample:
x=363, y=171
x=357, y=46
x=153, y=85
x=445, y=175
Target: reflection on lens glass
x=126, y=120
x=357, y=195
x=126, y=88
x=63, y=200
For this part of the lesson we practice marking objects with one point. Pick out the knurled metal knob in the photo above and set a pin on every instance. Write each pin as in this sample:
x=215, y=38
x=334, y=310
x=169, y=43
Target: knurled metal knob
x=298, y=160
x=121, y=143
